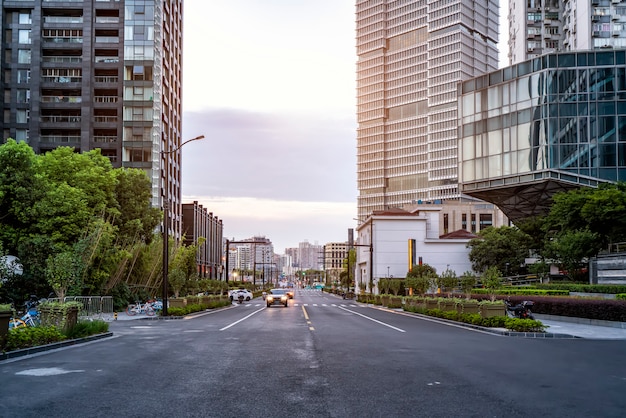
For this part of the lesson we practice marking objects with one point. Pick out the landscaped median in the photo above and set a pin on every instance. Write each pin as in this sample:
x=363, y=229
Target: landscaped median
x=59, y=327
x=488, y=314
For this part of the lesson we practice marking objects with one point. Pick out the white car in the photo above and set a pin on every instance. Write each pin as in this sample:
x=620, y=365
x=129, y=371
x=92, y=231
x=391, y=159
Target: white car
x=234, y=294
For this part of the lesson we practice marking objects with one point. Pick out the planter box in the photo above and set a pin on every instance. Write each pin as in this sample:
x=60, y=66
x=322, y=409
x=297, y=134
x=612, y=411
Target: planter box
x=432, y=303
x=447, y=305
x=4, y=327
x=177, y=302
x=469, y=308
x=63, y=318
x=488, y=311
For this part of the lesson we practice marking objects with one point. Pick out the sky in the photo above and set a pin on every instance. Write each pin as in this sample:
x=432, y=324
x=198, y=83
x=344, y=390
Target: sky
x=271, y=84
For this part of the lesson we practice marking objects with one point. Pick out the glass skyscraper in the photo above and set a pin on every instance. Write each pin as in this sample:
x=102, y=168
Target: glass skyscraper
x=544, y=125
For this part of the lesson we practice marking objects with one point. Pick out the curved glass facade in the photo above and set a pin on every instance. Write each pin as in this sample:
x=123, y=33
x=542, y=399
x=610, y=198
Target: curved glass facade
x=559, y=118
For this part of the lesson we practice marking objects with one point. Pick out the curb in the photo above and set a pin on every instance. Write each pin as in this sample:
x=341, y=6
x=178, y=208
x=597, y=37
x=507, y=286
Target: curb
x=498, y=331
x=40, y=348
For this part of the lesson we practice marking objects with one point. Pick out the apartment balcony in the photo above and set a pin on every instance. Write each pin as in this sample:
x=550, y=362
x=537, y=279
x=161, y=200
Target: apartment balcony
x=60, y=121
x=109, y=79
x=62, y=59
x=107, y=60
x=61, y=99
x=60, y=139
x=61, y=40
x=71, y=82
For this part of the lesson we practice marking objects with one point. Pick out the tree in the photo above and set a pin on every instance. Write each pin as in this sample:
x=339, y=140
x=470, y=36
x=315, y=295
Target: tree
x=492, y=279
x=63, y=272
x=136, y=218
x=347, y=279
x=422, y=277
x=601, y=211
x=505, y=248
x=468, y=282
x=20, y=188
x=572, y=249
x=447, y=281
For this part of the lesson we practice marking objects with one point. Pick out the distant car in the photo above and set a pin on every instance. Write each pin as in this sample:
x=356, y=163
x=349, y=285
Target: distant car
x=234, y=294
x=291, y=293
x=277, y=297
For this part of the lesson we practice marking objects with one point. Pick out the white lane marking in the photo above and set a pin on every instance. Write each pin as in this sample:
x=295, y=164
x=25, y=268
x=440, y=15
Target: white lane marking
x=242, y=319
x=372, y=319
x=51, y=371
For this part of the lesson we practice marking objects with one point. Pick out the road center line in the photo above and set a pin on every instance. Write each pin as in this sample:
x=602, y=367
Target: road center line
x=242, y=319
x=372, y=319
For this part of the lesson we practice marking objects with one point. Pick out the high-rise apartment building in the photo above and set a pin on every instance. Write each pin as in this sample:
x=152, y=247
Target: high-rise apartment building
x=538, y=27
x=411, y=56
x=98, y=74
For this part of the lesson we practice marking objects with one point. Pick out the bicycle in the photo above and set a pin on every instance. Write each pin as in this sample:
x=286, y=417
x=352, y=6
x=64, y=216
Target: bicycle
x=140, y=308
x=29, y=319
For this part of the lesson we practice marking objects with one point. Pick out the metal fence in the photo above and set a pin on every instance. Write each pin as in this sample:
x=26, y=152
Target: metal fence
x=100, y=307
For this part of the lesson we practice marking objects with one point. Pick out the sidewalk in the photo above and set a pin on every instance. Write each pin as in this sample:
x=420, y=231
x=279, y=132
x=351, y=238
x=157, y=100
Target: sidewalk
x=579, y=327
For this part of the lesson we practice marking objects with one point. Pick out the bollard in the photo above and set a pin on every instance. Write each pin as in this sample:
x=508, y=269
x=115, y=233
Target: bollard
x=115, y=316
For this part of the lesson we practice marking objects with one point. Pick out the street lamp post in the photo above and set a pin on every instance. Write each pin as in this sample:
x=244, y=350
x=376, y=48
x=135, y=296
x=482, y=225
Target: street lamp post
x=166, y=220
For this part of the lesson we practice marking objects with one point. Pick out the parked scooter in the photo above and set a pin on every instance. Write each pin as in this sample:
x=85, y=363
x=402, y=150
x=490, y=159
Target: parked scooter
x=521, y=310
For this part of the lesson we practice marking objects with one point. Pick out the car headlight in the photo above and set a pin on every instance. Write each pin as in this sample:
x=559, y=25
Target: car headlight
x=270, y=298
x=283, y=298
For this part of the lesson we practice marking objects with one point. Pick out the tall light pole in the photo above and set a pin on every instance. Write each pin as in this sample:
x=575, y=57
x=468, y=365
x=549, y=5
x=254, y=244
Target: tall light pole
x=166, y=219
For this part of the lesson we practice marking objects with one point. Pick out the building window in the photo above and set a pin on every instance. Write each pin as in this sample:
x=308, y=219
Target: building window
x=23, y=56
x=24, y=36
x=25, y=19
x=485, y=220
x=464, y=221
x=473, y=223
x=445, y=223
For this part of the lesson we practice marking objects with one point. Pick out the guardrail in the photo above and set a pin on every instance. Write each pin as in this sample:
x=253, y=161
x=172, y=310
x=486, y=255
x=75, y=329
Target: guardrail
x=93, y=306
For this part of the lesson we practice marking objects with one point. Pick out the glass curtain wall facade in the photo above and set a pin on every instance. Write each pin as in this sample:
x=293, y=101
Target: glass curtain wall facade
x=545, y=125
x=411, y=56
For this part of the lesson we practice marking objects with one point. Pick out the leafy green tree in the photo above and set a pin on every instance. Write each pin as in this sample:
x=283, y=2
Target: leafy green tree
x=572, y=249
x=492, y=280
x=468, y=282
x=601, y=211
x=447, y=281
x=422, y=277
x=383, y=285
x=395, y=285
x=136, y=218
x=20, y=189
x=347, y=280
x=505, y=248
x=177, y=280
x=63, y=272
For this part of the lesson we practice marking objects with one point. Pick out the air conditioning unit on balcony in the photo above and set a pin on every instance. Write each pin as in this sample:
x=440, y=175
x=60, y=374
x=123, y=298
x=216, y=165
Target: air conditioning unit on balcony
x=616, y=33
x=595, y=33
x=614, y=1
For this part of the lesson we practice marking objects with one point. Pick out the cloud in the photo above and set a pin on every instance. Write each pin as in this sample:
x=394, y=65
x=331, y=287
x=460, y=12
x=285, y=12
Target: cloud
x=299, y=157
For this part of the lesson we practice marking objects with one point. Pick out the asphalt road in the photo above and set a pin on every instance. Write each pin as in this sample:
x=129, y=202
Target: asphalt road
x=320, y=357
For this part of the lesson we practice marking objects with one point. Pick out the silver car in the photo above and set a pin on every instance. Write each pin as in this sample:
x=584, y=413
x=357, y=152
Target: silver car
x=277, y=297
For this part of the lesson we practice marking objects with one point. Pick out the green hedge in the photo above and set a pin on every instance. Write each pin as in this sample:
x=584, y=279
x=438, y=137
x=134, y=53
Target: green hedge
x=514, y=324
x=26, y=337
x=584, y=288
x=523, y=291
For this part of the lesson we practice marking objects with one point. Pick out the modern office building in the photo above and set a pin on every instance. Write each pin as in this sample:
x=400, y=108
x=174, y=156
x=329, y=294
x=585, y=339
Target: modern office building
x=411, y=56
x=538, y=27
x=545, y=125
x=101, y=74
